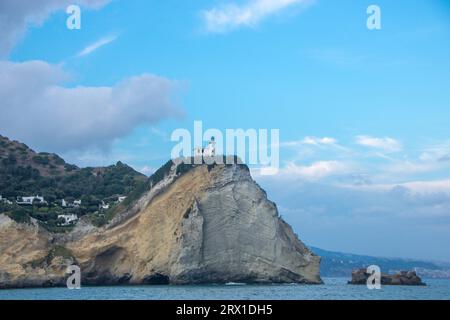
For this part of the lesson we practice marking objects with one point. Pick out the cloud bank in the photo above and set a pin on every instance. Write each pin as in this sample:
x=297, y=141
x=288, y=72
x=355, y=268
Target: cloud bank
x=17, y=15
x=395, y=202
x=409, y=220
x=36, y=108
x=231, y=16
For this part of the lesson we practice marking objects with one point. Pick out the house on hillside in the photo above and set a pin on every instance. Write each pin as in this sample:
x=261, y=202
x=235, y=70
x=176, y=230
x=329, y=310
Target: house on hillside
x=5, y=200
x=104, y=206
x=68, y=219
x=29, y=201
x=74, y=204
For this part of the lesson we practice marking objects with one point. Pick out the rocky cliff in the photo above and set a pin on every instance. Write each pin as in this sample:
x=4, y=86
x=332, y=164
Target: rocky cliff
x=208, y=224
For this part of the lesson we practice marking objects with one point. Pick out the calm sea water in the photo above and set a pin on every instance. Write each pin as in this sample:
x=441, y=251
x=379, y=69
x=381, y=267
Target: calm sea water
x=334, y=288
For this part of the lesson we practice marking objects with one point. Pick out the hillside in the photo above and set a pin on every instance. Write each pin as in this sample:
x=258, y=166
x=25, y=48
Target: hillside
x=338, y=264
x=24, y=172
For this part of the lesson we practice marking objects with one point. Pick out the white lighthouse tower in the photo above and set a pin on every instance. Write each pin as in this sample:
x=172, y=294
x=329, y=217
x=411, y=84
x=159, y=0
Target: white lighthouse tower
x=208, y=151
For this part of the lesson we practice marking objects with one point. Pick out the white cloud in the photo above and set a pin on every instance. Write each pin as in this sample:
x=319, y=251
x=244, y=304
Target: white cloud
x=438, y=152
x=17, y=15
x=311, y=141
x=96, y=45
x=316, y=171
x=36, y=108
x=317, y=141
x=384, y=161
x=416, y=187
x=385, y=144
x=232, y=16
x=147, y=170
x=429, y=186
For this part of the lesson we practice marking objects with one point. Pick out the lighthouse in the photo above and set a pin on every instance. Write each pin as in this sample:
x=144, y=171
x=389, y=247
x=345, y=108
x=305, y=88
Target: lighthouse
x=208, y=151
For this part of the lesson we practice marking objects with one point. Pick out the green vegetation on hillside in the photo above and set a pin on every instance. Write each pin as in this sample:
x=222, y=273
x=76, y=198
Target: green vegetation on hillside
x=23, y=172
x=96, y=184
x=17, y=214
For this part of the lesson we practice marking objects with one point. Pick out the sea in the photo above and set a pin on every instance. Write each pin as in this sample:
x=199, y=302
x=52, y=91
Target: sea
x=332, y=289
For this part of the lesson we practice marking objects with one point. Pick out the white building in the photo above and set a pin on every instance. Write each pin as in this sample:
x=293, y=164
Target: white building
x=31, y=200
x=74, y=204
x=104, y=206
x=63, y=203
x=120, y=199
x=208, y=151
x=5, y=200
x=68, y=218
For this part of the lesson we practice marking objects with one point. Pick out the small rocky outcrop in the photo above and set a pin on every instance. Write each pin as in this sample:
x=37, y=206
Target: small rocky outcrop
x=208, y=224
x=402, y=278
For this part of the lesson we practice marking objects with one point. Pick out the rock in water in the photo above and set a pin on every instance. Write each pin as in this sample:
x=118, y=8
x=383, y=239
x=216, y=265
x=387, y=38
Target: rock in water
x=203, y=224
x=403, y=278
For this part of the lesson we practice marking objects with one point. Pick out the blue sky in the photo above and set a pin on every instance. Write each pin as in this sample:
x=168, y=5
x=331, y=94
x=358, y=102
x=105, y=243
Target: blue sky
x=363, y=115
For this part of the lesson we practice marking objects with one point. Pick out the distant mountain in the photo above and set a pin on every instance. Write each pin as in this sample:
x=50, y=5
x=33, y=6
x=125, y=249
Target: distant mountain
x=338, y=264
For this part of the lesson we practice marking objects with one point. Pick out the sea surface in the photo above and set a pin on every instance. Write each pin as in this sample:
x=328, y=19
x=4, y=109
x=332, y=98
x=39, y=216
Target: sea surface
x=332, y=289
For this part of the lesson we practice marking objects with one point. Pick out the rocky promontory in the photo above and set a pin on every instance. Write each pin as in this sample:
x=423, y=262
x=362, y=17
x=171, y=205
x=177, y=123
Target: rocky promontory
x=194, y=224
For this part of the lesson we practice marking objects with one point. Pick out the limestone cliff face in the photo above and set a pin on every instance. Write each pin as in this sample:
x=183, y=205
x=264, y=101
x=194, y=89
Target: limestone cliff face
x=27, y=256
x=212, y=224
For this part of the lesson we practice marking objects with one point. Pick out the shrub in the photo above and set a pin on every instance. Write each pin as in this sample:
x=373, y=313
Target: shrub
x=19, y=215
x=43, y=160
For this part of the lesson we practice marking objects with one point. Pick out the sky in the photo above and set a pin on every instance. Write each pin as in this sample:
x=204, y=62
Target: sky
x=363, y=114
